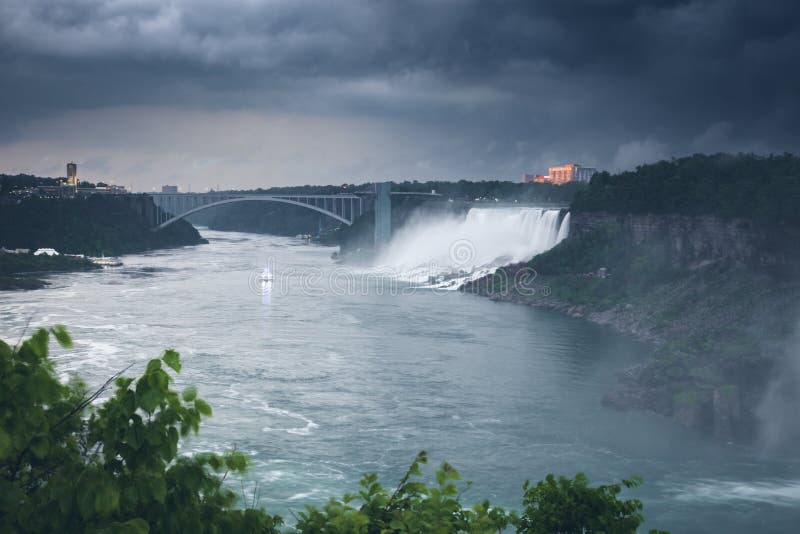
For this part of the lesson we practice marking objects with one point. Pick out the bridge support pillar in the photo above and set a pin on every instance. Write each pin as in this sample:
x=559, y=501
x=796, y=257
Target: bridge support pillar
x=383, y=213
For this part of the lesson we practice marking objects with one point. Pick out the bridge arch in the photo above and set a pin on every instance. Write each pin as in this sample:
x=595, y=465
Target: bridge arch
x=253, y=198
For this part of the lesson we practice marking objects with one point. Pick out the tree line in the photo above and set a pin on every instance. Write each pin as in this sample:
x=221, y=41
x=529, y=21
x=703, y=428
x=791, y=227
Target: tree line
x=762, y=188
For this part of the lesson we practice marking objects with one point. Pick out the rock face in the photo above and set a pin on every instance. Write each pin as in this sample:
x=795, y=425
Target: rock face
x=694, y=239
x=691, y=409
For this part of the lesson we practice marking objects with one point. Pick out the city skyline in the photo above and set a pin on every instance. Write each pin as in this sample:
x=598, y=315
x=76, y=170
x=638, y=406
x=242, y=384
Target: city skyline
x=260, y=94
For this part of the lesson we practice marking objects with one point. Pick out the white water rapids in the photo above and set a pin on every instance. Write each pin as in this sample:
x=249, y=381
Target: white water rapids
x=446, y=251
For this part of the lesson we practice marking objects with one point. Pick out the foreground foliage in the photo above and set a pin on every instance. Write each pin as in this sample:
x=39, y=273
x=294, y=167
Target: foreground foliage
x=68, y=466
x=118, y=469
x=554, y=505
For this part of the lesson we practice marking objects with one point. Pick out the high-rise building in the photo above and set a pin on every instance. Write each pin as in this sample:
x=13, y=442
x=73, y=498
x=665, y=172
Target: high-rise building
x=169, y=188
x=72, y=174
x=571, y=172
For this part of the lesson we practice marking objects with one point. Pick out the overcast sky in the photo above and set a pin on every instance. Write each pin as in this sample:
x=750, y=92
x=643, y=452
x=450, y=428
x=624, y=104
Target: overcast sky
x=247, y=93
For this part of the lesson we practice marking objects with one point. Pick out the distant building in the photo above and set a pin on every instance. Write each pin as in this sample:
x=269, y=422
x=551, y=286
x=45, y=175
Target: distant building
x=47, y=251
x=535, y=178
x=169, y=188
x=109, y=189
x=72, y=174
x=117, y=189
x=56, y=191
x=571, y=172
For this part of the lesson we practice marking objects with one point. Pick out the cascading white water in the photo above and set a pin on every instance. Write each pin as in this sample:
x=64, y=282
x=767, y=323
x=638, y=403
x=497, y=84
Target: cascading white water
x=446, y=251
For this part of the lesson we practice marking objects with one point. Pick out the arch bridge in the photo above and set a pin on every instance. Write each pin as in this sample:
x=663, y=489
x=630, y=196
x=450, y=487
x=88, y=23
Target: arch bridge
x=345, y=208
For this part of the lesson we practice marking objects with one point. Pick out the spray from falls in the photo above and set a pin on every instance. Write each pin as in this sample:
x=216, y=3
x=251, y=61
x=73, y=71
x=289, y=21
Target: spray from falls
x=446, y=251
x=779, y=427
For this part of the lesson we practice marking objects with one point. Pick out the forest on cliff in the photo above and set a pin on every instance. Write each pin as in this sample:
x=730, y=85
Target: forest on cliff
x=763, y=188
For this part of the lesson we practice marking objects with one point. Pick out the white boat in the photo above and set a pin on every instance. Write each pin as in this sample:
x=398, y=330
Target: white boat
x=265, y=276
x=106, y=262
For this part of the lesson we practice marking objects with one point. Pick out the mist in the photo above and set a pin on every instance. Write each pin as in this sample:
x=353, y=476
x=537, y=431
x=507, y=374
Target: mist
x=779, y=424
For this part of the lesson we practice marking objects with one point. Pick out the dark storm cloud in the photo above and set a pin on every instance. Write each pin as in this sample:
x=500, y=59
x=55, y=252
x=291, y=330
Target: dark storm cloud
x=608, y=81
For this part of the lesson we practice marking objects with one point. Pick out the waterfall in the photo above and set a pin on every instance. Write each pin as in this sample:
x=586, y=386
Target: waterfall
x=446, y=251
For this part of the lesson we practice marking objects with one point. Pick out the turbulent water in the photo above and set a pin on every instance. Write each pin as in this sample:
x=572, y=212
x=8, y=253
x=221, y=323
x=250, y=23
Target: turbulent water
x=331, y=375
x=445, y=252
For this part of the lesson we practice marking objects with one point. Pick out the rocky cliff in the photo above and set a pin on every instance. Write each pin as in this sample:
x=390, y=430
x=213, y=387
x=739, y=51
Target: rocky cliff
x=693, y=239
x=715, y=298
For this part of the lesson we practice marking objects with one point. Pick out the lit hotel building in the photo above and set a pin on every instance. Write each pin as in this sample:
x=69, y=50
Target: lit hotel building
x=571, y=172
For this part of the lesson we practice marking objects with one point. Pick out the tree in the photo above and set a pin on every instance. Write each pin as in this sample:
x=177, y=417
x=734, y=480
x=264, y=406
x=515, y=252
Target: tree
x=117, y=470
x=412, y=507
x=570, y=506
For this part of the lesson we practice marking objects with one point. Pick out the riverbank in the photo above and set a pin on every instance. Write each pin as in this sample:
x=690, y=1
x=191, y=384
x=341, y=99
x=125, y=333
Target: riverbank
x=25, y=271
x=718, y=319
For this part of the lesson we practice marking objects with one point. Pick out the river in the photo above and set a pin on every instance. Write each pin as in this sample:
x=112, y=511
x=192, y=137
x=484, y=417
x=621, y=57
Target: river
x=320, y=384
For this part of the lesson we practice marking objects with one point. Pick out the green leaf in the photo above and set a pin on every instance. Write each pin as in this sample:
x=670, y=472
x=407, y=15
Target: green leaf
x=106, y=501
x=128, y=402
x=153, y=435
x=173, y=359
x=40, y=446
x=215, y=462
x=158, y=488
x=189, y=394
x=5, y=444
x=132, y=526
x=137, y=526
x=236, y=460
x=152, y=366
x=5, y=349
x=86, y=504
x=150, y=400
x=134, y=436
x=202, y=407
x=61, y=335
x=38, y=342
x=9, y=497
x=123, y=382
